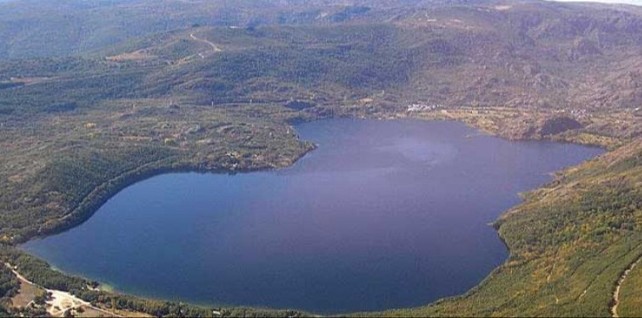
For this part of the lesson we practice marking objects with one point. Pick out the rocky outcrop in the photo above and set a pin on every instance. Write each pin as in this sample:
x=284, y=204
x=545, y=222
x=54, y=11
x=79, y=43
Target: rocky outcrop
x=583, y=47
x=529, y=128
x=557, y=125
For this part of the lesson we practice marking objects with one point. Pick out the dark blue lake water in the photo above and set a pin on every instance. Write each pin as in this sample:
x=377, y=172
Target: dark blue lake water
x=384, y=214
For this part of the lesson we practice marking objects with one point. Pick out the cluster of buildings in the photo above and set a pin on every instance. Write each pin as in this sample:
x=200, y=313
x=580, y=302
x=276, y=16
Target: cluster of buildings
x=423, y=107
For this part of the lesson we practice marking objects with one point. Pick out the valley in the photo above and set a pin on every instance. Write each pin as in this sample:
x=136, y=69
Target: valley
x=218, y=89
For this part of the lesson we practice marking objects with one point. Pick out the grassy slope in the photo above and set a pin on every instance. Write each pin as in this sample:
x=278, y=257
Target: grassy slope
x=631, y=294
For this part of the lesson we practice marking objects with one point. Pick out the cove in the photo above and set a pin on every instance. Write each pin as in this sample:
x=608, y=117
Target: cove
x=384, y=214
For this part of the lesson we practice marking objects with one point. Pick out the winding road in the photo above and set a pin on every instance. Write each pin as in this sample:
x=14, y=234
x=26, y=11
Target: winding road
x=620, y=281
x=215, y=48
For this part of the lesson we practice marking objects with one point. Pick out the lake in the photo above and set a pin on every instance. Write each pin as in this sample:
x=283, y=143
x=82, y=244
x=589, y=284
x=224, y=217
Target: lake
x=384, y=214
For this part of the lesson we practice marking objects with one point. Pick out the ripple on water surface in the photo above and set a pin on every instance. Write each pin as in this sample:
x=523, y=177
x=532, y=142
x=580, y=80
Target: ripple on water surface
x=384, y=214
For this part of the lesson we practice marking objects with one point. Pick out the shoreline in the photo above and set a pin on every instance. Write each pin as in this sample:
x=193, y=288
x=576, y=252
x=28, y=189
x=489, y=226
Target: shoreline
x=91, y=203
x=108, y=189
x=60, y=301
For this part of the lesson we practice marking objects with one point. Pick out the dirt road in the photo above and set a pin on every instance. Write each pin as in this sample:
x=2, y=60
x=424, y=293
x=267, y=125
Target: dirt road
x=215, y=48
x=61, y=301
x=616, y=293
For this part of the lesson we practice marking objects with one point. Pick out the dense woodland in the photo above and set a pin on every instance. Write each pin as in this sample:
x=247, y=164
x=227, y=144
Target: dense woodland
x=8, y=284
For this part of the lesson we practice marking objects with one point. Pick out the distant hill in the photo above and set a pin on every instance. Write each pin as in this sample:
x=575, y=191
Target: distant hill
x=37, y=28
x=634, y=2
x=483, y=53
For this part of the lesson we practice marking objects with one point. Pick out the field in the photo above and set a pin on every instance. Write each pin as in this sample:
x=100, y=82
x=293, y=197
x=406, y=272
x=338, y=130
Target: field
x=26, y=294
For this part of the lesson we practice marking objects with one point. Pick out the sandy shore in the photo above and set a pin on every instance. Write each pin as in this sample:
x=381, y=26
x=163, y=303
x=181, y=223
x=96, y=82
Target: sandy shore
x=62, y=301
